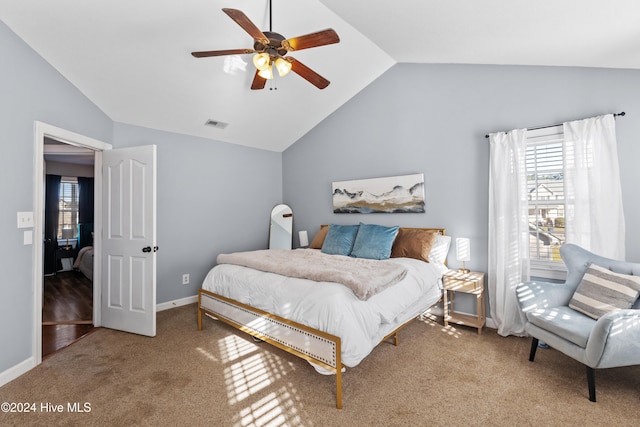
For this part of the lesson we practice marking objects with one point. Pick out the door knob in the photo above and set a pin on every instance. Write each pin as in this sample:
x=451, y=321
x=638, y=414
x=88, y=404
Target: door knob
x=147, y=249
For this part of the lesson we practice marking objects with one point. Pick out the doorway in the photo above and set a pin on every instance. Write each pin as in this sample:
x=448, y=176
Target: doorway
x=70, y=141
x=67, y=312
x=125, y=223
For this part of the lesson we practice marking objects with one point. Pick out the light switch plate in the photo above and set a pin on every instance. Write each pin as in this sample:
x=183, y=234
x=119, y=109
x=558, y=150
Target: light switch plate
x=25, y=219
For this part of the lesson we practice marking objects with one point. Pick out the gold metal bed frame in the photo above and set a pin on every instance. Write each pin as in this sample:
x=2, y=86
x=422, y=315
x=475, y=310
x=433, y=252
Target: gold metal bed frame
x=310, y=344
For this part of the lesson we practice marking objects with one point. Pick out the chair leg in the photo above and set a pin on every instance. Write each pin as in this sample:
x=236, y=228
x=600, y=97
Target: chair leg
x=591, y=382
x=534, y=347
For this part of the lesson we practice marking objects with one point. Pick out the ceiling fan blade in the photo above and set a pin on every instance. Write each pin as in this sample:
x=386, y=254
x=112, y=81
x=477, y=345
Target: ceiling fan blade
x=241, y=19
x=258, y=82
x=320, y=38
x=208, y=53
x=308, y=74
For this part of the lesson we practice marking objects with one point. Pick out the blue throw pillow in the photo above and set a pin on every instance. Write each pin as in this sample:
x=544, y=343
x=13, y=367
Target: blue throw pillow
x=374, y=241
x=339, y=240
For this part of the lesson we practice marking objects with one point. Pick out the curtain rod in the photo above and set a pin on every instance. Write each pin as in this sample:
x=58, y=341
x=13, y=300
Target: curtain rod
x=621, y=114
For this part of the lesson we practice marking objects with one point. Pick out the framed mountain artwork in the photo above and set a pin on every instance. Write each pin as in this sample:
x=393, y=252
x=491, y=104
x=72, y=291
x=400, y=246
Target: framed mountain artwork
x=396, y=194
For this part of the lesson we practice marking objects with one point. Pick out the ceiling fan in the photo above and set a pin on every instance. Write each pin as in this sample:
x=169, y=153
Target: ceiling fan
x=270, y=49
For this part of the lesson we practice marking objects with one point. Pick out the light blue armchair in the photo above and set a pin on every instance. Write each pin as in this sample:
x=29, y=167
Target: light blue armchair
x=611, y=341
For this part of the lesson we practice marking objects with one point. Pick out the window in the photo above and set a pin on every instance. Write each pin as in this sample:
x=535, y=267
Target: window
x=68, y=209
x=546, y=199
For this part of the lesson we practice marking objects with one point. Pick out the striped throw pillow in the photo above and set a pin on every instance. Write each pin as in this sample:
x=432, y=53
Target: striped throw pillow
x=602, y=291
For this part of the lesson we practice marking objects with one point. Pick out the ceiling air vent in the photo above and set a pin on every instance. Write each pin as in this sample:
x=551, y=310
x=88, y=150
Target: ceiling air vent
x=216, y=124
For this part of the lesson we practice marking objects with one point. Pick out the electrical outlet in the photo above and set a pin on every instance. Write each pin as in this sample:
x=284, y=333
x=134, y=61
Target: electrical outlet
x=185, y=279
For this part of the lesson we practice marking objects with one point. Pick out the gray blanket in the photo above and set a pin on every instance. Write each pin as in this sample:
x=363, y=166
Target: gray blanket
x=363, y=276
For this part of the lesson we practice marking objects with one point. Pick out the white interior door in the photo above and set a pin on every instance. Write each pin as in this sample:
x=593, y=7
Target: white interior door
x=129, y=240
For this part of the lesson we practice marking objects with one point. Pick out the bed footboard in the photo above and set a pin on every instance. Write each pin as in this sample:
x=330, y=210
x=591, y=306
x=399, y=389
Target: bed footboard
x=300, y=340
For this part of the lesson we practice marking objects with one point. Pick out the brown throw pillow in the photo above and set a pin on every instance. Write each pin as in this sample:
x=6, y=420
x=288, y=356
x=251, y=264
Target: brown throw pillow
x=318, y=240
x=413, y=243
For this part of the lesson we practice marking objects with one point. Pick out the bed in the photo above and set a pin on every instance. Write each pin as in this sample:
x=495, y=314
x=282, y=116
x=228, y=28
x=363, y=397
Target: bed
x=84, y=262
x=330, y=324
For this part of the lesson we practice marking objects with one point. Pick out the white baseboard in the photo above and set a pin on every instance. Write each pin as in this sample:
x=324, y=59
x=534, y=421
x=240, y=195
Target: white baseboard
x=176, y=303
x=15, y=371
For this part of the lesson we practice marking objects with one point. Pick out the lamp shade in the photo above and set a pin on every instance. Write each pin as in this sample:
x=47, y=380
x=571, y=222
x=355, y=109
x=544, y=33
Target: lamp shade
x=463, y=249
x=67, y=233
x=262, y=61
x=283, y=66
x=304, y=238
x=267, y=73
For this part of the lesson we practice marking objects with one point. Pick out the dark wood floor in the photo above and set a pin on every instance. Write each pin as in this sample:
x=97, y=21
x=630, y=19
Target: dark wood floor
x=67, y=313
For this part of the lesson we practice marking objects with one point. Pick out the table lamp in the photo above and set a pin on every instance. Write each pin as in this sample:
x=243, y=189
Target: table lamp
x=463, y=252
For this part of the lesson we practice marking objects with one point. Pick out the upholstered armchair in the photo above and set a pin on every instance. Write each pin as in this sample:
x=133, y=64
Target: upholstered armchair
x=577, y=318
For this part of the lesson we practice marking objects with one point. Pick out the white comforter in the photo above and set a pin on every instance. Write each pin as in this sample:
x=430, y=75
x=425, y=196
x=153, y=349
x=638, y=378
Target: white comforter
x=333, y=307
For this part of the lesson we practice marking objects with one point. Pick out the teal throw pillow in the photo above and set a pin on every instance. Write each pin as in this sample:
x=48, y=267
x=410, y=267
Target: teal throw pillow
x=339, y=240
x=374, y=241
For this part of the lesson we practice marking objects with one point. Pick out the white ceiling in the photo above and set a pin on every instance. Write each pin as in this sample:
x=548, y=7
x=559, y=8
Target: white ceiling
x=132, y=57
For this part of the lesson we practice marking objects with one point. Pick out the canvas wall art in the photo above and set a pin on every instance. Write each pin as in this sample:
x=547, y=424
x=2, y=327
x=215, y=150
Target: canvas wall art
x=396, y=194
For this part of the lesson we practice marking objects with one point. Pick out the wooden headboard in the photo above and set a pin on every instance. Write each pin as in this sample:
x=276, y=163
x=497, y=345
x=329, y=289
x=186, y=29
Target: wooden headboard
x=442, y=231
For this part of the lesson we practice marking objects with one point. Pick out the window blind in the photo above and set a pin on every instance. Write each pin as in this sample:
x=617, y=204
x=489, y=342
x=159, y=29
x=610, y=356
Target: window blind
x=68, y=209
x=546, y=196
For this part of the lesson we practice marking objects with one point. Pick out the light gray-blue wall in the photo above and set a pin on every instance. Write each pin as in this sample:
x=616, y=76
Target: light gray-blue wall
x=30, y=90
x=432, y=119
x=212, y=196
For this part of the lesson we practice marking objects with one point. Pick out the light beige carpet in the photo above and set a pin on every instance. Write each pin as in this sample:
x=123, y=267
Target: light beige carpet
x=220, y=377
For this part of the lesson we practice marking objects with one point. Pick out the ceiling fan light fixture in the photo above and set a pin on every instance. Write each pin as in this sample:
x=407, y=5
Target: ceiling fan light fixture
x=283, y=66
x=269, y=49
x=262, y=61
x=267, y=73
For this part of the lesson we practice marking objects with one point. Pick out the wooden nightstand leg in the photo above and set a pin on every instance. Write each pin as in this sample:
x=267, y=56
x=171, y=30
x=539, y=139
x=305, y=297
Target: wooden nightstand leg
x=483, y=303
x=445, y=307
x=482, y=312
x=479, y=302
x=452, y=301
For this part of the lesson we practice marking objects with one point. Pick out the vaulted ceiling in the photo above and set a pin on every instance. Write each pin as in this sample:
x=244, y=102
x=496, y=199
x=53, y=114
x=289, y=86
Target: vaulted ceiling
x=132, y=57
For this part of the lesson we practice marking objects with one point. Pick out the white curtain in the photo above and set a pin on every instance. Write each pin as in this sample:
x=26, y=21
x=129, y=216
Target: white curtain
x=594, y=215
x=508, y=229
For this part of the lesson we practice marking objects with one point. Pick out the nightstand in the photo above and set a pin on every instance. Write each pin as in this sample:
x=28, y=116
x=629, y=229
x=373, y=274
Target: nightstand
x=65, y=252
x=468, y=283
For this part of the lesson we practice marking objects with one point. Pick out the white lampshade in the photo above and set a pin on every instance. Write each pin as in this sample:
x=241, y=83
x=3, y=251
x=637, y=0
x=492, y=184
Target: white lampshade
x=463, y=249
x=67, y=233
x=304, y=238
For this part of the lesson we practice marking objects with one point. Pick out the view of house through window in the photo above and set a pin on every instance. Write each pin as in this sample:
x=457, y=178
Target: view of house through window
x=545, y=186
x=68, y=210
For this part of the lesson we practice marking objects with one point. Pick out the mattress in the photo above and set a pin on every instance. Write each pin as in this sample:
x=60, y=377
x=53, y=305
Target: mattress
x=332, y=307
